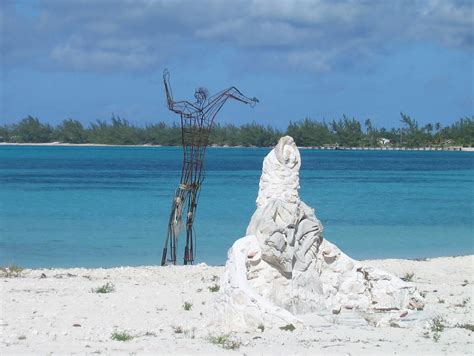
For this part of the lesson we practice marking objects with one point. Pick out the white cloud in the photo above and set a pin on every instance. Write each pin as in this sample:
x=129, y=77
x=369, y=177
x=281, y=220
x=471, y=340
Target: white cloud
x=80, y=59
x=136, y=35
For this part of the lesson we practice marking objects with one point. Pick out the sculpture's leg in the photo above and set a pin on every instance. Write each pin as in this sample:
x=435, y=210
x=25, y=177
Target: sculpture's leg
x=189, y=248
x=173, y=226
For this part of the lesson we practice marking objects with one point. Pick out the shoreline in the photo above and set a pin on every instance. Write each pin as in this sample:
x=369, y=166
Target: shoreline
x=328, y=148
x=204, y=264
x=60, y=311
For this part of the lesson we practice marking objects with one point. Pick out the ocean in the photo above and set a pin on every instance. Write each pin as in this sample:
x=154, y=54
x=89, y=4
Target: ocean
x=109, y=206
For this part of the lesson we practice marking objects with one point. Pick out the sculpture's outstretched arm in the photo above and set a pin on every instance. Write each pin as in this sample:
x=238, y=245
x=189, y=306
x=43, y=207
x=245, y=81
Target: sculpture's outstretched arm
x=232, y=93
x=216, y=102
x=181, y=107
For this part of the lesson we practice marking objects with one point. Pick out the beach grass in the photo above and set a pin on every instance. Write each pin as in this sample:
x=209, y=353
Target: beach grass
x=121, y=336
x=214, y=288
x=106, y=288
x=466, y=326
x=10, y=271
x=288, y=327
x=226, y=341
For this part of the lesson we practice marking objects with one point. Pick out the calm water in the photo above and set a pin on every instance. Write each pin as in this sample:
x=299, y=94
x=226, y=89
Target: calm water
x=108, y=206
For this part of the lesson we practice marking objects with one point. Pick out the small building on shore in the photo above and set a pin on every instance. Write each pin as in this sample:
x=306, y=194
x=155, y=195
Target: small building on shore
x=382, y=141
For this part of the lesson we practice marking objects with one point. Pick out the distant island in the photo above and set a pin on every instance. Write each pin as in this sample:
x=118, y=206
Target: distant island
x=345, y=132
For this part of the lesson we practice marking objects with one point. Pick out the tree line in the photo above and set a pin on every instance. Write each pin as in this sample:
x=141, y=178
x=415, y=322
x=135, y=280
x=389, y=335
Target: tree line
x=344, y=132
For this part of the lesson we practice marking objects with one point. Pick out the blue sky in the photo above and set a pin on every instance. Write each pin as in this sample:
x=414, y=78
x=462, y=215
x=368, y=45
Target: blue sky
x=321, y=59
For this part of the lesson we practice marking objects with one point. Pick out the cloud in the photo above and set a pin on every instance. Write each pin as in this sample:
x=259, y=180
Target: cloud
x=80, y=59
x=450, y=23
x=142, y=34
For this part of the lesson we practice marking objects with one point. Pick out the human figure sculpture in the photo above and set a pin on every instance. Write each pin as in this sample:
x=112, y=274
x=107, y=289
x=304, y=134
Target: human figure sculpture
x=196, y=123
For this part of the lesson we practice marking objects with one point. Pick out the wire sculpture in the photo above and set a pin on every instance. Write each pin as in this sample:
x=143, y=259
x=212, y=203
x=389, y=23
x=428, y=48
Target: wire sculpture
x=196, y=123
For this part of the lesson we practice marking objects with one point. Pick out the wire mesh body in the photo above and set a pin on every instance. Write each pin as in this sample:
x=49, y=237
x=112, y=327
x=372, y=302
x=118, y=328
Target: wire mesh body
x=196, y=123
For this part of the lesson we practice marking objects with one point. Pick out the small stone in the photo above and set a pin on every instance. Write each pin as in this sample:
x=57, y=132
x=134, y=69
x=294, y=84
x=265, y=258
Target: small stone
x=76, y=325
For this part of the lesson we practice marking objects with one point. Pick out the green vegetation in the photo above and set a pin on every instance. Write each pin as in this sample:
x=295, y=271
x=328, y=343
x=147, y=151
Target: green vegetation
x=289, y=327
x=437, y=327
x=437, y=324
x=408, y=277
x=187, y=306
x=463, y=303
x=149, y=333
x=345, y=132
x=178, y=329
x=11, y=270
x=214, y=288
x=106, y=288
x=469, y=327
x=225, y=341
x=121, y=336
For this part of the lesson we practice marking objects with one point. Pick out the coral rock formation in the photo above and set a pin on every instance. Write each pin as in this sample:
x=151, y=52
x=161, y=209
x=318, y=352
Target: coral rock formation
x=283, y=268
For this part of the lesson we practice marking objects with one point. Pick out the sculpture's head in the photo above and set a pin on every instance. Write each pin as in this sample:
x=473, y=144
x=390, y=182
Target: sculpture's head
x=288, y=154
x=280, y=174
x=201, y=95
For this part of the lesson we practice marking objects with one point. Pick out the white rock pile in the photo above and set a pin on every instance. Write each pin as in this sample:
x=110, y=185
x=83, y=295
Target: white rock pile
x=284, y=269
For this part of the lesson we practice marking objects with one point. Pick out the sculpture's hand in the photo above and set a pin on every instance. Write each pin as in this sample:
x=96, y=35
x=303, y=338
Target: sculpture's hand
x=254, y=102
x=166, y=74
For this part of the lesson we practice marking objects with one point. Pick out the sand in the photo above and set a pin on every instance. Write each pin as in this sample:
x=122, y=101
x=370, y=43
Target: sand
x=56, y=311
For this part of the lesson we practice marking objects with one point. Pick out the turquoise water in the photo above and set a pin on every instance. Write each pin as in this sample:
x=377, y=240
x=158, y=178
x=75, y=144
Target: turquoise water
x=108, y=206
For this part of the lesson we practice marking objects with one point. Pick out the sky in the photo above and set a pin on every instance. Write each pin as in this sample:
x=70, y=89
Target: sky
x=88, y=60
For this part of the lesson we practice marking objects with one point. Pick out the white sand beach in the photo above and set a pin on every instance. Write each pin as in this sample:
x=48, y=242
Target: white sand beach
x=57, y=311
